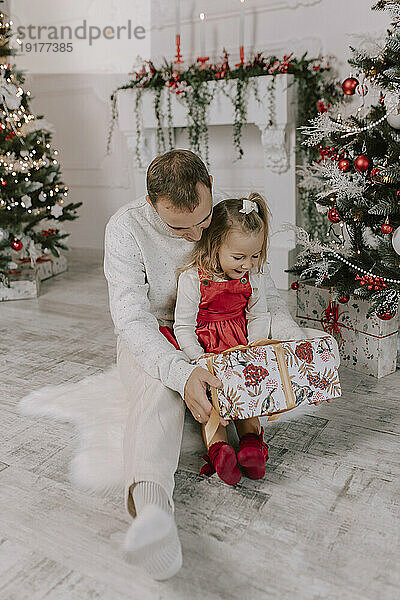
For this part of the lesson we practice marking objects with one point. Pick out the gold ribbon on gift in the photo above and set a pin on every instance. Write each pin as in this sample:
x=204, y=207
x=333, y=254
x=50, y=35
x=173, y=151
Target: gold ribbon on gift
x=214, y=420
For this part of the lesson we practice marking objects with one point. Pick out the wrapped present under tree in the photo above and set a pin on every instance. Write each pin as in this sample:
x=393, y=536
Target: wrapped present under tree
x=24, y=278
x=366, y=344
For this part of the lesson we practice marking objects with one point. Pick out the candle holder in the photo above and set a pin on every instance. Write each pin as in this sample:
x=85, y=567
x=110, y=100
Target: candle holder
x=178, y=55
x=241, y=55
x=203, y=60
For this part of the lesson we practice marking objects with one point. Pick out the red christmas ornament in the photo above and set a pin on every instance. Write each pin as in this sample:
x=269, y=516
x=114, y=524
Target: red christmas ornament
x=344, y=165
x=16, y=244
x=344, y=299
x=385, y=316
x=3, y=182
x=333, y=215
x=386, y=227
x=362, y=163
x=295, y=285
x=349, y=86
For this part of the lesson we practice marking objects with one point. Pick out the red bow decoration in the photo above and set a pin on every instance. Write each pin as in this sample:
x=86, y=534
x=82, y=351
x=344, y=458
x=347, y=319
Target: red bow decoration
x=331, y=322
x=39, y=260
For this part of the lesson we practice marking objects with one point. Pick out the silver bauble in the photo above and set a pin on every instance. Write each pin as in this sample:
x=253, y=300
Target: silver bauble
x=396, y=240
x=394, y=120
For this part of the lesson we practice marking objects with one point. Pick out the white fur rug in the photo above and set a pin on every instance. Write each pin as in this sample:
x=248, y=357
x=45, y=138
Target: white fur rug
x=98, y=406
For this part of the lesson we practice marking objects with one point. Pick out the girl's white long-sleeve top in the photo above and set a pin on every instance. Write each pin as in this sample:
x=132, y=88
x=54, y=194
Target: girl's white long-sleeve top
x=188, y=299
x=142, y=258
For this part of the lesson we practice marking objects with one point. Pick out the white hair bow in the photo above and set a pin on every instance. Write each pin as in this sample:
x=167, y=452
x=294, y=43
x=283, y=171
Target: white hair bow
x=248, y=206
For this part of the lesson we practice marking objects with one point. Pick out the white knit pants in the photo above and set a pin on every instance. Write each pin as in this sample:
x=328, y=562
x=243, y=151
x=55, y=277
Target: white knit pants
x=154, y=427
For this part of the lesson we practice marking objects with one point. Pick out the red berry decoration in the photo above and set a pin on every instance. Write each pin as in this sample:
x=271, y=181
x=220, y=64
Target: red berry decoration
x=344, y=299
x=349, y=86
x=333, y=215
x=344, y=165
x=375, y=283
x=16, y=244
x=254, y=374
x=305, y=352
x=385, y=316
x=295, y=285
x=362, y=163
x=386, y=227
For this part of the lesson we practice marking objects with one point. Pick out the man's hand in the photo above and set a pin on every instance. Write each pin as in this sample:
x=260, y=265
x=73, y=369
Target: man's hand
x=196, y=397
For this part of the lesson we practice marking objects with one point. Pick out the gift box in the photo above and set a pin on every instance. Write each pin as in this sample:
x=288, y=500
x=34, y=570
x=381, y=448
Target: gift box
x=269, y=377
x=48, y=265
x=24, y=283
x=25, y=279
x=367, y=345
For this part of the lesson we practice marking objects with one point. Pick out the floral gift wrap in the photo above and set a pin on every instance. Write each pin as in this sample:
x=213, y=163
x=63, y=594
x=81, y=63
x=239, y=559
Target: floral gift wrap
x=368, y=345
x=268, y=377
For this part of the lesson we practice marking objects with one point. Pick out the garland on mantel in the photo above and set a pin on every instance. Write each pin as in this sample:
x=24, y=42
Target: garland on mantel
x=317, y=90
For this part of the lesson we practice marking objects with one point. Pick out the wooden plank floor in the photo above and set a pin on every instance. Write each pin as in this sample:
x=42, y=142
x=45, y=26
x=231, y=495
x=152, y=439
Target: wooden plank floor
x=324, y=523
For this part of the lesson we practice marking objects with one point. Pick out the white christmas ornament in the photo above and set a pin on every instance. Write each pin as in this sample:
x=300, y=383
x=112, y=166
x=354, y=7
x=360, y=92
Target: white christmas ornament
x=42, y=197
x=37, y=125
x=32, y=186
x=8, y=95
x=392, y=103
x=27, y=201
x=56, y=211
x=394, y=120
x=396, y=240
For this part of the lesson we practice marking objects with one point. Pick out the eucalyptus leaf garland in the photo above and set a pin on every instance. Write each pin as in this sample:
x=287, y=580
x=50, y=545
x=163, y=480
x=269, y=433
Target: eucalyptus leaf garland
x=317, y=89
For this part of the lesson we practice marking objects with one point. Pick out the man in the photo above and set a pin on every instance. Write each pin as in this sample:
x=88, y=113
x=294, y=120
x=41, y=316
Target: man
x=146, y=242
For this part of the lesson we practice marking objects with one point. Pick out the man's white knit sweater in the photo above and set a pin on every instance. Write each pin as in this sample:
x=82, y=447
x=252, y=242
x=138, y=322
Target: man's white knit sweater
x=142, y=258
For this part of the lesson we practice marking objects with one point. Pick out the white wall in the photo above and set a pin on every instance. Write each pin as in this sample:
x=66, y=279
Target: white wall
x=78, y=105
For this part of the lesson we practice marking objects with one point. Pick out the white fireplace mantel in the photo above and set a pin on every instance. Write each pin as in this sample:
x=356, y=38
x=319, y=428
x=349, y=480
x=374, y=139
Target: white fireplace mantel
x=273, y=113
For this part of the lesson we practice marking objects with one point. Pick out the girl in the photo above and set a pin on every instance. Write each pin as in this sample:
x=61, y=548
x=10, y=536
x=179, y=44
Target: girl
x=219, y=305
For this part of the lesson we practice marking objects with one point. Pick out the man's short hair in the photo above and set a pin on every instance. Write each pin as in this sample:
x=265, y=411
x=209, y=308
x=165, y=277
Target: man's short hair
x=174, y=175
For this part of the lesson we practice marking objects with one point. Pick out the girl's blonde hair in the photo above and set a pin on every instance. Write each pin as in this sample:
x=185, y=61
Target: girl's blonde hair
x=226, y=216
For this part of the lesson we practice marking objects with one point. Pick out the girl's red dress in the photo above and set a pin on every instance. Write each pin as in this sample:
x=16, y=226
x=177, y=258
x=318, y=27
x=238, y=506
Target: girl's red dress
x=221, y=319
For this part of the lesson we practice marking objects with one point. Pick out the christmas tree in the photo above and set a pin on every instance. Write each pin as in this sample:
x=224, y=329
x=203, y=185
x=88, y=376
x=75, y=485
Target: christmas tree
x=356, y=181
x=32, y=195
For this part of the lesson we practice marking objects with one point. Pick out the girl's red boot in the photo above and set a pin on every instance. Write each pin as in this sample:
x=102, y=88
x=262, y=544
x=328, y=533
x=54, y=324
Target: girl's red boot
x=221, y=458
x=253, y=454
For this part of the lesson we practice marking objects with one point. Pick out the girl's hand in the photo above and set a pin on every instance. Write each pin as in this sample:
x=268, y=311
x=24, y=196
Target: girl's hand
x=195, y=395
x=318, y=402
